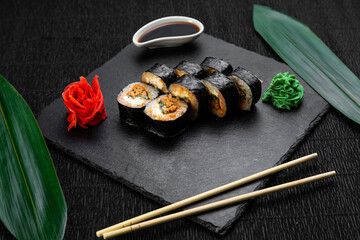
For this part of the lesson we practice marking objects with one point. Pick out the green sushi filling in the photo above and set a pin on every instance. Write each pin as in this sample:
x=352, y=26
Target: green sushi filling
x=186, y=99
x=146, y=97
x=285, y=92
x=213, y=97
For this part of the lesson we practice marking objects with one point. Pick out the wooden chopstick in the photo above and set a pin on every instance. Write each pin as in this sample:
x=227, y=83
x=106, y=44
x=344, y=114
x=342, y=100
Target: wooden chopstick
x=206, y=194
x=215, y=205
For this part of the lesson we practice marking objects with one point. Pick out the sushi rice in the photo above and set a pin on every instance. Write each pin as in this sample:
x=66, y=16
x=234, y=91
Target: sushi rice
x=137, y=95
x=245, y=93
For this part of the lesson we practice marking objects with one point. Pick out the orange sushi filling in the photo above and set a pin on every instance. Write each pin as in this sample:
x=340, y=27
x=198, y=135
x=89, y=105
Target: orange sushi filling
x=139, y=91
x=187, y=96
x=179, y=72
x=155, y=81
x=210, y=71
x=166, y=108
x=168, y=104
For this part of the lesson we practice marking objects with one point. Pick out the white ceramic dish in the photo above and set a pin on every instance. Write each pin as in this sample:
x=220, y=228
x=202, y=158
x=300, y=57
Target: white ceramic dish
x=167, y=41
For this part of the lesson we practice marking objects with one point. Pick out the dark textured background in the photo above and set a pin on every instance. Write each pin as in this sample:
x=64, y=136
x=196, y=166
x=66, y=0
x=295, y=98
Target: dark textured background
x=46, y=45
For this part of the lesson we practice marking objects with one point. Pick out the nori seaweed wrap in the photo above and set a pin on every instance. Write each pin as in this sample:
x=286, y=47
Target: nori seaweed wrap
x=132, y=100
x=193, y=92
x=185, y=67
x=166, y=116
x=249, y=87
x=160, y=76
x=223, y=94
x=214, y=64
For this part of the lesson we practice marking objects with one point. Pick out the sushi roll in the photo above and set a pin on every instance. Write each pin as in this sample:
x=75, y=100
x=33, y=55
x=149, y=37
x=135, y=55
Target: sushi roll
x=192, y=91
x=223, y=94
x=214, y=64
x=249, y=87
x=166, y=116
x=132, y=100
x=160, y=76
x=186, y=67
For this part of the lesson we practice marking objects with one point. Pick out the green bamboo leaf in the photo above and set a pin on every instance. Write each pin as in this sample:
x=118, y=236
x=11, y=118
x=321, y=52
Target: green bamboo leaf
x=310, y=58
x=32, y=205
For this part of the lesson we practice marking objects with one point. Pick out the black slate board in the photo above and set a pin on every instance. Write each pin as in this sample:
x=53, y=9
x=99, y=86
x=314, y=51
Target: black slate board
x=210, y=153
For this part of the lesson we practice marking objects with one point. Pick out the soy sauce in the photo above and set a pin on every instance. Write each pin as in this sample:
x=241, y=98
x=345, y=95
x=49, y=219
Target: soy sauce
x=170, y=29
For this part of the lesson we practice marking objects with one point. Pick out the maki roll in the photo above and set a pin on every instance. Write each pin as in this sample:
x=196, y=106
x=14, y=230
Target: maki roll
x=223, y=94
x=249, y=87
x=193, y=92
x=166, y=116
x=186, y=67
x=214, y=64
x=160, y=76
x=132, y=100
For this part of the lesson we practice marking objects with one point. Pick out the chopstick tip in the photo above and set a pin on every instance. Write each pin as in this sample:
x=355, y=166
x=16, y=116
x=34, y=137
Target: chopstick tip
x=99, y=233
x=329, y=174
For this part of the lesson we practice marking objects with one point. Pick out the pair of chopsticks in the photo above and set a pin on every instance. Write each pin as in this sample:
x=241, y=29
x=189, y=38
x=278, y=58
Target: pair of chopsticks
x=139, y=222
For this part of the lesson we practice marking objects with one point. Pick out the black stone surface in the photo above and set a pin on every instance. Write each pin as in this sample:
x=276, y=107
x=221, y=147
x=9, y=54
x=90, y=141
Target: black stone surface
x=210, y=153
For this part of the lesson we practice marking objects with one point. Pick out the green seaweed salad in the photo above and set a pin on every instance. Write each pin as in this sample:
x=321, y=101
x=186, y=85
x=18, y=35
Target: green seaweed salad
x=285, y=92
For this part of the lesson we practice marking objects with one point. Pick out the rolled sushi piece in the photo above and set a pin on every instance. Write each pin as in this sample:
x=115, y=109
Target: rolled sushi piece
x=223, y=94
x=214, y=64
x=132, y=100
x=189, y=68
x=166, y=116
x=192, y=91
x=159, y=76
x=249, y=87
